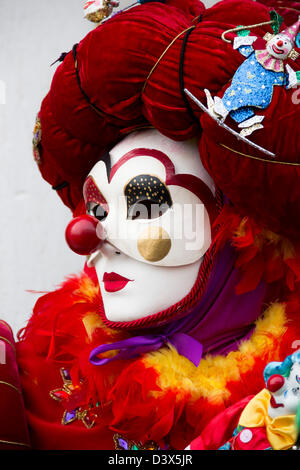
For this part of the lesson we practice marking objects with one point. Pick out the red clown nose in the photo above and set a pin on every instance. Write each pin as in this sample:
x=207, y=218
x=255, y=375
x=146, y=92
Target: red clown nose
x=84, y=235
x=275, y=382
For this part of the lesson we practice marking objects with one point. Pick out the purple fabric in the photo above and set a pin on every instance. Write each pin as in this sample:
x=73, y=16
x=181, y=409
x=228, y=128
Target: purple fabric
x=133, y=347
x=215, y=325
x=222, y=319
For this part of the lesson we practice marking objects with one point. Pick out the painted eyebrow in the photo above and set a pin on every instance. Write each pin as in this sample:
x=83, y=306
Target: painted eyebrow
x=141, y=152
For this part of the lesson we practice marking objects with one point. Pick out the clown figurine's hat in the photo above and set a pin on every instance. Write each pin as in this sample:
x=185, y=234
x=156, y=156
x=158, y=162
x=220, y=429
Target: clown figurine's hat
x=292, y=31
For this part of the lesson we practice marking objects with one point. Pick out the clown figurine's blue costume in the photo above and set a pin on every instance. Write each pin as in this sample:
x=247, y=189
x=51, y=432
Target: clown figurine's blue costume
x=252, y=84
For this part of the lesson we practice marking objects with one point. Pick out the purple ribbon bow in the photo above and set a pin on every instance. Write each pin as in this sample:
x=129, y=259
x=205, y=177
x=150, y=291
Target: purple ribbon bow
x=137, y=345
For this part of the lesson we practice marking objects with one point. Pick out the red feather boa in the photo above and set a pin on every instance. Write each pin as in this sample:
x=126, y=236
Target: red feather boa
x=133, y=400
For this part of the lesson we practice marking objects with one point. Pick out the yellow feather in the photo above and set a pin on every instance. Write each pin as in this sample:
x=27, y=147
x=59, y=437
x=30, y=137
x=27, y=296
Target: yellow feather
x=209, y=380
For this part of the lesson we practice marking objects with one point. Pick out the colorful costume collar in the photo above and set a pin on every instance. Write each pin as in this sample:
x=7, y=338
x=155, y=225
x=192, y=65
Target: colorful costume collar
x=216, y=325
x=269, y=62
x=281, y=431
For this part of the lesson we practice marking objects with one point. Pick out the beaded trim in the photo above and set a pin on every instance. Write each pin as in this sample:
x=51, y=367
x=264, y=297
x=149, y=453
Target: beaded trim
x=124, y=444
x=86, y=415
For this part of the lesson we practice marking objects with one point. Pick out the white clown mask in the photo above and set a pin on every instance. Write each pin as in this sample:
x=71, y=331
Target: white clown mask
x=155, y=205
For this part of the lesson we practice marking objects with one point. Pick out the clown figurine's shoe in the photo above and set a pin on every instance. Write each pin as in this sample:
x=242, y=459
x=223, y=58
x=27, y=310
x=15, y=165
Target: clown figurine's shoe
x=251, y=125
x=249, y=130
x=251, y=121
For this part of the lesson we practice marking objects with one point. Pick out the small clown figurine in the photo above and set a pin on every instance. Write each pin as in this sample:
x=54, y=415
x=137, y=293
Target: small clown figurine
x=267, y=421
x=252, y=85
x=97, y=10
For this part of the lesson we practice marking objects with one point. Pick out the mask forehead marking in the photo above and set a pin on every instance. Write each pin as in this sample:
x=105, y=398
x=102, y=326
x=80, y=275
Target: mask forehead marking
x=190, y=182
x=141, y=152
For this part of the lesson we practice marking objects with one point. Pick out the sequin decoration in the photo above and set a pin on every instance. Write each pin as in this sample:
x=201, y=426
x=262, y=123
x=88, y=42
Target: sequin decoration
x=251, y=86
x=37, y=137
x=124, y=444
x=85, y=414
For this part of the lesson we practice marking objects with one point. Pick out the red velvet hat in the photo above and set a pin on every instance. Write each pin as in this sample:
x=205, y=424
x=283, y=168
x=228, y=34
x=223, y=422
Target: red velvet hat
x=131, y=71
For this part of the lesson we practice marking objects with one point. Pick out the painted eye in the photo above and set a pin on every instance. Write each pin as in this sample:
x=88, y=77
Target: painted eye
x=147, y=197
x=146, y=209
x=298, y=379
x=97, y=211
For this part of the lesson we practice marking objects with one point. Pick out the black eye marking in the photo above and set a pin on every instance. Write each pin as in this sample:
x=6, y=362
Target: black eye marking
x=97, y=210
x=147, y=197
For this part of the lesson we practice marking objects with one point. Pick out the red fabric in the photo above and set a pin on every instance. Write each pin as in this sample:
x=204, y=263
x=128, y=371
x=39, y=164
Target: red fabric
x=132, y=399
x=13, y=425
x=258, y=441
x=288, y=9
x=221, y=428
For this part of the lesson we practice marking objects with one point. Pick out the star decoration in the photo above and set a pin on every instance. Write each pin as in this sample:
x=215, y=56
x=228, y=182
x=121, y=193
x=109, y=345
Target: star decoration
x=86, y=415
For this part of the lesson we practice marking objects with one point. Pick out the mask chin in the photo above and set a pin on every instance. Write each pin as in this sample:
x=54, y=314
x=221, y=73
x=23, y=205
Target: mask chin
x=138, y=295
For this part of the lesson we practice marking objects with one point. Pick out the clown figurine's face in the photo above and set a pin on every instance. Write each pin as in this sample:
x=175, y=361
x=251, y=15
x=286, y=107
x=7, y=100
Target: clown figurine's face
x=285, y=393
x=155, y=206
x=279, y=46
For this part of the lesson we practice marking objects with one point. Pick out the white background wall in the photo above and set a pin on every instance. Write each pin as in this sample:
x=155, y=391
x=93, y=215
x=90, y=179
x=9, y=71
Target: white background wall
x=33, y=252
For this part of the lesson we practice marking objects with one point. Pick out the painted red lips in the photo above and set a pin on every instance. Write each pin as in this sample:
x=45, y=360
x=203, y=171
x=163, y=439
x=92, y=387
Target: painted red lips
x=113, y=282
x=277, y=50
x=274, y=404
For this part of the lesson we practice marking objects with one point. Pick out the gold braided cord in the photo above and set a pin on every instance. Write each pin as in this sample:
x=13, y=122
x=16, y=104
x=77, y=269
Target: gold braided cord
x=252, y=157
x=290, y=9
x=243, y=28
x=164, y=53
x=14, y=443
x=196, y=18
x=11, y=385
x=8, y=342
